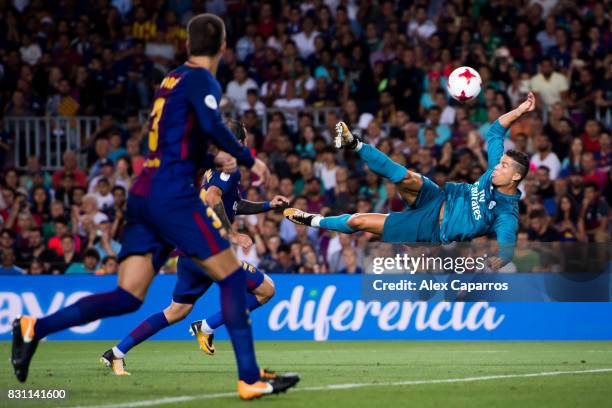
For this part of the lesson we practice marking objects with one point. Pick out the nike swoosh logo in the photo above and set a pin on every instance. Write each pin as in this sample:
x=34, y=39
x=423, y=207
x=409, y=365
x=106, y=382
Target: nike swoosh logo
x=267, y=390
x=27, y=338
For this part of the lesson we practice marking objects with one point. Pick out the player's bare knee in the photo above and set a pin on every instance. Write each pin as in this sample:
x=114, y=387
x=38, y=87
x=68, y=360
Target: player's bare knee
x=412, y=181
x=265, y=291
x=177, y=311
x=356, y=221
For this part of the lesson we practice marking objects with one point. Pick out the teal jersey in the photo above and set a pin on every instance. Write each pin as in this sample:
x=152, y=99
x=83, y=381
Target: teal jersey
x=479, y=209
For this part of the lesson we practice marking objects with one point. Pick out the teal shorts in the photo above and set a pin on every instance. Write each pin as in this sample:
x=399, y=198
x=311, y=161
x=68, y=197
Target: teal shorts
x=420, y=222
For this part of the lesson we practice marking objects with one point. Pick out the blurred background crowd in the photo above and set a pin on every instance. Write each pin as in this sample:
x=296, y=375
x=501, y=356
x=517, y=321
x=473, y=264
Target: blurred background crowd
x=291, y=71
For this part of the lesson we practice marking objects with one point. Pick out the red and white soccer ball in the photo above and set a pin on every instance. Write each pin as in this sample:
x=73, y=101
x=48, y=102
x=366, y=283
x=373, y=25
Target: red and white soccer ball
x=464, y=84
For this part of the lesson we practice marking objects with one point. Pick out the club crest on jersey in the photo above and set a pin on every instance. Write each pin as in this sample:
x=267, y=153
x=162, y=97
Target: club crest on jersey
x=225, y=176
x=211, y=101
x=492, y=204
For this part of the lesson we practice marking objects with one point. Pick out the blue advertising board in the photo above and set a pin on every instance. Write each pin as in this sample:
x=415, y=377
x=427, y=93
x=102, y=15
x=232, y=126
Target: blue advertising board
x=318, y=307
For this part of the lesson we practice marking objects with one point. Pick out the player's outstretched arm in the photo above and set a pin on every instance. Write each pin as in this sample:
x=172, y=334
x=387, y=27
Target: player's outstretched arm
x=246, y=207
x=496, y=133
x=507, y=119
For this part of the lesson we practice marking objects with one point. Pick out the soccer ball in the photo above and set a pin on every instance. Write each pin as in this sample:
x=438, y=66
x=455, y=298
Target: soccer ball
x=464, y=84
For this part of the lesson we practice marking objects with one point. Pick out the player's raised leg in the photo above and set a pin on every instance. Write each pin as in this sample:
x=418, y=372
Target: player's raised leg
x=125, y=298
x=344, y=223
x=260, y=290
x=409, y=183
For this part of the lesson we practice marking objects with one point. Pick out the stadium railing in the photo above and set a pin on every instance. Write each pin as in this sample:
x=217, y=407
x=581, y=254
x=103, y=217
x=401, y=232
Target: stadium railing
x=292, y=116
x=48, y=137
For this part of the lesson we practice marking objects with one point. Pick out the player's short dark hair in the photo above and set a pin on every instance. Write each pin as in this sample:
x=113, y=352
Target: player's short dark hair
x=237, y=129
x=591, y=184
x=521, y=162
x=205, y=35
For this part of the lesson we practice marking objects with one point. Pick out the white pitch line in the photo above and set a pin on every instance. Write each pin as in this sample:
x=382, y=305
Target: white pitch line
x=170, y=400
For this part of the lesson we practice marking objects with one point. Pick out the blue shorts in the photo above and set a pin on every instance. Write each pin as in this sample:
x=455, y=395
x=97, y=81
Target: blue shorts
x=192, y=282
x=420, y=222
x=158, y=226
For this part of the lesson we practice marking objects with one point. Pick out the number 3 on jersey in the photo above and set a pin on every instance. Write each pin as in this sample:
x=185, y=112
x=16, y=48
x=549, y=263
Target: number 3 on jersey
x=156, y=113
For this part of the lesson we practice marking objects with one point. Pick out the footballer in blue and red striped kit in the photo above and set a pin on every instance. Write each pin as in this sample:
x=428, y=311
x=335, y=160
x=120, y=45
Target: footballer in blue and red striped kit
x=164, y=212
x=221, y=192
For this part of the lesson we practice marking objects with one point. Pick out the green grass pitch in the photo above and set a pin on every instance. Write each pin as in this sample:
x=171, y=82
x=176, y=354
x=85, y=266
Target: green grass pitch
x=383, y=373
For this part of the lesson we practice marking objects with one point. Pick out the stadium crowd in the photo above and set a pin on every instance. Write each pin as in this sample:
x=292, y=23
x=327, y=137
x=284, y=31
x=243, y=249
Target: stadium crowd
x=384, y=64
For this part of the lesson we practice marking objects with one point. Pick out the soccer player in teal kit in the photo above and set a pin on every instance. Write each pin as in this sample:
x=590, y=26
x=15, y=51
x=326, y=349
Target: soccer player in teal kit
x=164, y=212
x=460, y=212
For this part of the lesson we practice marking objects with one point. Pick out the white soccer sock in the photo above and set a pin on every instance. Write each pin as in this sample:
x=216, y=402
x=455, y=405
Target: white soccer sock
x=316, y=221
x=206, y=328
x=118, y=353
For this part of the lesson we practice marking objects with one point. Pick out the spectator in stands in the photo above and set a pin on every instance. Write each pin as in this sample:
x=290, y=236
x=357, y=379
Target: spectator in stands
x=525, y=258
x=540, y=228
x=549, y=86
x=89, y=264
x=595, y=213
x=568, y=222
x=349, y=256
x=36, y=267
x=8, y=266
x=71, y=170
x=110, y=266
x=253, y=103
x=105, y=245
x=590, y=137
x=68, y=256
x=236, y=90
x=545, y=156
x=305, y=38
x=37, y=250
x=590, y=172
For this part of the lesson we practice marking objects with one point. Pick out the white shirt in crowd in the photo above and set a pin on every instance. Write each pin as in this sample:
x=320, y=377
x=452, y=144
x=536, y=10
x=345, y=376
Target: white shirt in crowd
x=259, y=108
x=549, y=89
x=266, y=85
x=237, y=93
x=425, y=30
x=105, y=201
x=30, y=54
x=327, y=176
x=305, y=44
x=550, y=160
x=447, y=117
x=160, y=49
